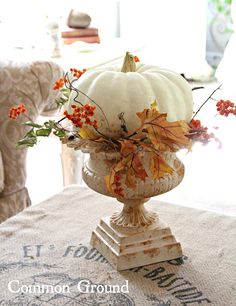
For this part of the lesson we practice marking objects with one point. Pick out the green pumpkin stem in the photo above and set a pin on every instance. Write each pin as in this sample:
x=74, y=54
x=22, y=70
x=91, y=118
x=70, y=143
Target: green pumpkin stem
x=129, y=63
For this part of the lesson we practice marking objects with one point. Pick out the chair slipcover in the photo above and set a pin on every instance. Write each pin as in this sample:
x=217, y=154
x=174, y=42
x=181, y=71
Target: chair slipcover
x=32, y=84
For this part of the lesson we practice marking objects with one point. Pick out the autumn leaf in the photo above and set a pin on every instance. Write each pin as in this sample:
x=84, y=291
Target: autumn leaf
x=130, y=179
x=109, y=180
x=155, y=135
x=127, y=147
x=116, y=169
x=130, y=167
x=158, y=166
x=130, y=150
x=160, y=131
x=87, y=133
x=137, y=165
x=162, y=145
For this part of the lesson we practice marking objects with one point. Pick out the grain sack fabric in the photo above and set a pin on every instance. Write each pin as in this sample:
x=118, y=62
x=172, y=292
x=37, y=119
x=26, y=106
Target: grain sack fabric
x=48, y=245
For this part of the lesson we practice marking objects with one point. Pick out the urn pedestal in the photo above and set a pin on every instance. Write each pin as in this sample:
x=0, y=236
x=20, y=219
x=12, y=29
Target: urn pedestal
x=133, y=236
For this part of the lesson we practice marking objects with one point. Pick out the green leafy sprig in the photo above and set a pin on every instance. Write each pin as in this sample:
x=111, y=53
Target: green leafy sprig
x=41, y=130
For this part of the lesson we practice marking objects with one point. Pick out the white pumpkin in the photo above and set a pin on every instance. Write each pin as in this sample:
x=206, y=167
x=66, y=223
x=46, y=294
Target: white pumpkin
x=130, y=92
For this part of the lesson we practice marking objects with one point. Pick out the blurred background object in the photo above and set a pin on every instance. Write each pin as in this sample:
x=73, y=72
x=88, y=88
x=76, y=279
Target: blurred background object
x=219, y=30
x=77, y=19
x=78, y=29
x=227, y=66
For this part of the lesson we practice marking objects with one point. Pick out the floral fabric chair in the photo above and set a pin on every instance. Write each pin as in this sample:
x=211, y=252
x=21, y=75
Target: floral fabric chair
x=31, y=84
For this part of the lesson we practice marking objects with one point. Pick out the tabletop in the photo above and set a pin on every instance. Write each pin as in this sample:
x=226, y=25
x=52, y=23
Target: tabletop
x=46, y=247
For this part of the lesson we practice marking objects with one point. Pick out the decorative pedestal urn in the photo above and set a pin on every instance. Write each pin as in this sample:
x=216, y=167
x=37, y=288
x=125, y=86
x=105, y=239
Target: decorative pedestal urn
x=133, y=236
x=131, y=120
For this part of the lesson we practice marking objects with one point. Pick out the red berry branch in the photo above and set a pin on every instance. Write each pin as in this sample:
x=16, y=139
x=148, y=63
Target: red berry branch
x=16, y=111
x=59, y=83
x=82, y=115
x=198, y=132
x=77, y=72
x=226, y=107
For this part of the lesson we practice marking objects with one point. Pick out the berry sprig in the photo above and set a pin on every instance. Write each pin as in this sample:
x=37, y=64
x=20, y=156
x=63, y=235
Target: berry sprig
x=226, y=107
x=16, y=111
x=136, y=59
x=62, y=81
x=77, y=73
x=59, y=83
x=198, y=132
x=82, y=115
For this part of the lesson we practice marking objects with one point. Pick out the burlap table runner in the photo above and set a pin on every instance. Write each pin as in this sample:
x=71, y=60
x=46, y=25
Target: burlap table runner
x=49, y=244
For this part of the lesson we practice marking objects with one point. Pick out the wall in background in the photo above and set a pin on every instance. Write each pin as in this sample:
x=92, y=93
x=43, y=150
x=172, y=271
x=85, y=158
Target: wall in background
x=173, y=31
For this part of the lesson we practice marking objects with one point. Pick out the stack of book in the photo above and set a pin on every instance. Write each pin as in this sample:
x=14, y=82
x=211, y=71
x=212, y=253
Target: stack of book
x=71, y=35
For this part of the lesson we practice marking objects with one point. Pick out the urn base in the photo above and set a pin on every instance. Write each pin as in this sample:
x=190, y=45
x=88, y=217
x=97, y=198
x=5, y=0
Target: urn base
x=125, y=249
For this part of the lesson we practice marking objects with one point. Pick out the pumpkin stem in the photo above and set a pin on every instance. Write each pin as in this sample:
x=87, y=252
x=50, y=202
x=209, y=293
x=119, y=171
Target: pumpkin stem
x=129, y=63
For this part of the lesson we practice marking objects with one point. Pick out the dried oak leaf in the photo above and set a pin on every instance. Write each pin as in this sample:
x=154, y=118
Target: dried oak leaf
x=131, y=156
x=127, y=147
x=165, y=135
x=130, y=179
x=110, y=179
x=137, y=165
x=130, y=166
x=158, y=166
